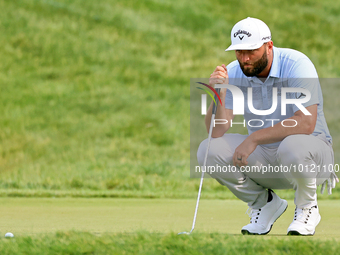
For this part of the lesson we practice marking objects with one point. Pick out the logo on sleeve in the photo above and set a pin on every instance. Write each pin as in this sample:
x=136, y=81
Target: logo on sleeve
x=301, y=95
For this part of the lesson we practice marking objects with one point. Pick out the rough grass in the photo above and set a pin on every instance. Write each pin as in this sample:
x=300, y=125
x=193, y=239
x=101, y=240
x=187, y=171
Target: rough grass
x=153, y=243
x=95, y=95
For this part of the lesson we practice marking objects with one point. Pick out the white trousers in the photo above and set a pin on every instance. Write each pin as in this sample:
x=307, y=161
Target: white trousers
x=301, y=162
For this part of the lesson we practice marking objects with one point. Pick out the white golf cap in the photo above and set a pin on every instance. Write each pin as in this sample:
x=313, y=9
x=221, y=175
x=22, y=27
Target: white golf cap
x=249, y=34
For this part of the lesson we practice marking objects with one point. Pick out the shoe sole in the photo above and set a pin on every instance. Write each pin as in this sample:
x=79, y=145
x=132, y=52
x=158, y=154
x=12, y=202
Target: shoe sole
x=297, y=233
x=247, y=233
x=284, y=204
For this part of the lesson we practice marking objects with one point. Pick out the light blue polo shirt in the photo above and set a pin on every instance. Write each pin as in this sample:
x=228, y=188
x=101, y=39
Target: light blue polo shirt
x=290, y=68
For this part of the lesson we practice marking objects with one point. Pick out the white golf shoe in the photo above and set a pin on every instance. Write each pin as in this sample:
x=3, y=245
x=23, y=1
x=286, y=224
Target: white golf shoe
x=262, y=219
x=305, y=221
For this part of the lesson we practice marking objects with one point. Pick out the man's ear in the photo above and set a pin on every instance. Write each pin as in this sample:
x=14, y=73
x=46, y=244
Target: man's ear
x=270, y=47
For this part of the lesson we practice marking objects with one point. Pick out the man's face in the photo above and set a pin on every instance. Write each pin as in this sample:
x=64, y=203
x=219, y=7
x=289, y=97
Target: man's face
x=253, y=62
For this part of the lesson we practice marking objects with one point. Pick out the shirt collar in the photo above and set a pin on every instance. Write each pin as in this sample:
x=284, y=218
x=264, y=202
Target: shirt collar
x=275, y=69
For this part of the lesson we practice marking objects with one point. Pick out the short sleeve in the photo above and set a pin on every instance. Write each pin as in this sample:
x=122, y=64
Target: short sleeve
x=304, y=75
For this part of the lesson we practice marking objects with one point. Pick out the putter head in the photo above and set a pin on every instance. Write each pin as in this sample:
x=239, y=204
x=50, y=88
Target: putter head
x=184, y=233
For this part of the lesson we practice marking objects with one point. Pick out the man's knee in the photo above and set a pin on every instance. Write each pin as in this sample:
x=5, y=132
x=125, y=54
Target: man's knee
x=218, y=151
x=296, y=155
x=291, y=151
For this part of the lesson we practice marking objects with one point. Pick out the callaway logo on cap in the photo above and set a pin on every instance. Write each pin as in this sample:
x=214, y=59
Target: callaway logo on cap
x=249, y=34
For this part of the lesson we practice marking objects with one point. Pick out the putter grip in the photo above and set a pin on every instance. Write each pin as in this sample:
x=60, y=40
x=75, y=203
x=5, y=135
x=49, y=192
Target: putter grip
x=216, y=99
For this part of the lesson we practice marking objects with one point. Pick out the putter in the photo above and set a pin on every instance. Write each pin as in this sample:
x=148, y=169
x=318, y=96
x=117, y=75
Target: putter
x=204, y=165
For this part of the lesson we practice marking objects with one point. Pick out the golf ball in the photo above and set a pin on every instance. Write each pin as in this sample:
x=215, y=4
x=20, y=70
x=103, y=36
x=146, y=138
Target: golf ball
x=9, y=235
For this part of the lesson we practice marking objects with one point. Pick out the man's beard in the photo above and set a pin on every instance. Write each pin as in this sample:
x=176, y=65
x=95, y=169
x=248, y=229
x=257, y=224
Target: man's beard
x=257, y=67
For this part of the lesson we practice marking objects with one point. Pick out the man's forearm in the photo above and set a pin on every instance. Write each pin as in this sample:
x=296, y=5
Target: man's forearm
x=301, y=125
x=221, y=113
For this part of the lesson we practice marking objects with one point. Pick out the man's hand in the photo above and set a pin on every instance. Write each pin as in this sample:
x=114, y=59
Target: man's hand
x=220, y=75
x=243, y=151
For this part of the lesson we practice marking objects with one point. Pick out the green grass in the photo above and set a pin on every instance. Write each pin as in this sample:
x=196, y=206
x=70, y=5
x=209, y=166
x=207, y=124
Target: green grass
x=150, y=226
x=35, y=216
x=95, y=95
x=150, y=243
x=95, y=103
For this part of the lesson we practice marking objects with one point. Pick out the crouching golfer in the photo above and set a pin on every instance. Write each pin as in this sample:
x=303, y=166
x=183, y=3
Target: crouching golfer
x=287, y=131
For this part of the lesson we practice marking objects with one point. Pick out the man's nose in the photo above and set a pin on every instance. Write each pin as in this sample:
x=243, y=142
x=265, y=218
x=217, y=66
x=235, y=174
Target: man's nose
x=245, y=57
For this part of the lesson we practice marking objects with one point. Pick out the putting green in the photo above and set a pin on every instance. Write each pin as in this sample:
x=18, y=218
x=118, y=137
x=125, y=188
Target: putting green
x=25, y=216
